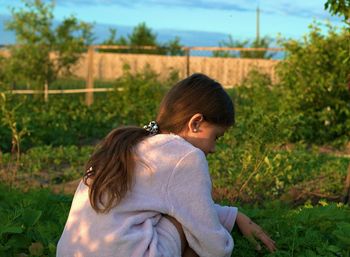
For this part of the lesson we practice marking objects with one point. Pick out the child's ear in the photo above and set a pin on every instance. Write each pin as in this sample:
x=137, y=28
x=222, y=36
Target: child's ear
x=195, y=122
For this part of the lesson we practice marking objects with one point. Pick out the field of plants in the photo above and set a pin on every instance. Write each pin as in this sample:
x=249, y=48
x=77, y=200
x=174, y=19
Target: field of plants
x=284, y=163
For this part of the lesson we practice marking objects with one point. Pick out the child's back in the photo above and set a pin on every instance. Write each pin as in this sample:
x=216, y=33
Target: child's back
x=171, y=178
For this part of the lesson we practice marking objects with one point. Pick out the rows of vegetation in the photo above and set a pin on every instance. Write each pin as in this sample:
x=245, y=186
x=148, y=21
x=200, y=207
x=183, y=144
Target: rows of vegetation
x=31, y=224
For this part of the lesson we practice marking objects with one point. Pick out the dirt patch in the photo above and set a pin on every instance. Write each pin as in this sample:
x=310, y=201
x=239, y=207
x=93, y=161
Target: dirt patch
x=65, y=188
x=325, y=149
x=343, y=152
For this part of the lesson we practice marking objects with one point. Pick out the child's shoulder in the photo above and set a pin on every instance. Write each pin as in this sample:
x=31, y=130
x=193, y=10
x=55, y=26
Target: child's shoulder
x=168, y=144
x=168, y=141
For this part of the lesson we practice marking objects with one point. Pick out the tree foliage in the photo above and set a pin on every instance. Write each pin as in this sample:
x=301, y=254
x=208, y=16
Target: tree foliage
x=43, y=49
x=257, y=43
x=340, y=8
x=143, y=36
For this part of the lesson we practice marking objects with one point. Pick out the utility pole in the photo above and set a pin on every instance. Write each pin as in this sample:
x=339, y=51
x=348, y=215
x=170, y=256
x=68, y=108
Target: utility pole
x=257, y=24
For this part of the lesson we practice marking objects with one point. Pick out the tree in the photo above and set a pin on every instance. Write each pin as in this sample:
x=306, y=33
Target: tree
x=229, y=43
x=143, y=36
x=44, y=51
x=114, y=41
x=257, y=43
x=339, y=8
x=174, y=47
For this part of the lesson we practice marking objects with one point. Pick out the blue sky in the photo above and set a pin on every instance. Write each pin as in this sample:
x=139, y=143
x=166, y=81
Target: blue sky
x=234, y=17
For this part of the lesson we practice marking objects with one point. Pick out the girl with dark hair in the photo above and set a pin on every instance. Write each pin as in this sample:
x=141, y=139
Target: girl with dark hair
x=147, y=191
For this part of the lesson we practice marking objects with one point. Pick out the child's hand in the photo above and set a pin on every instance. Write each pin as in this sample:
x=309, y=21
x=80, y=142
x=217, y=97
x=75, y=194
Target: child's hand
x=253, y=231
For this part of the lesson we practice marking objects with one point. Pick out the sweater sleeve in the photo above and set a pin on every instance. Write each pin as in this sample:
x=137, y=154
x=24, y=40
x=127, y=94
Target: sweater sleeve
x=227, y=216
x=190, y=202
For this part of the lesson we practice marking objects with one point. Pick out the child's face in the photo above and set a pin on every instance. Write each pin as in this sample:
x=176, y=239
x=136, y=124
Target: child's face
x=205, y=136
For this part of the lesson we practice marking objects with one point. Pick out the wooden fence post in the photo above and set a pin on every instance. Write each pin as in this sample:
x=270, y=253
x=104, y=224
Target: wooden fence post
x=46, y=92
x=187, y=61
x=89, y=97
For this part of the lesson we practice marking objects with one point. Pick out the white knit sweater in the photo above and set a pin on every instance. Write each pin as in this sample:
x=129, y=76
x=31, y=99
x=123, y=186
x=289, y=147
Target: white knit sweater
x=172, y=178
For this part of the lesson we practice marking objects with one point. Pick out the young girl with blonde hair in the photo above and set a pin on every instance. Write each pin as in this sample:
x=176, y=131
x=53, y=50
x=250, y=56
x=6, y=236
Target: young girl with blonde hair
x=147, y=191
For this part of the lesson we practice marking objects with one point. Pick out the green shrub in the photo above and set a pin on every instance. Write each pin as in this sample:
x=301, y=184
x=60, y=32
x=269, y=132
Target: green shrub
x=32, y=222
x=315, y=77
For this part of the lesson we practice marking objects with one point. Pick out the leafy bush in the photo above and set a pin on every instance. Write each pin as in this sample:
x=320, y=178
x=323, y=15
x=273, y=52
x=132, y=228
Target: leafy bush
x=32, y=222
x=315, y=77
x=254, y=156
x=263, y=118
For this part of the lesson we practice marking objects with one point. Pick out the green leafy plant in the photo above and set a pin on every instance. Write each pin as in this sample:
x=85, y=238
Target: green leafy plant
x=9, y=117
x=314, y=78
x=31, y=222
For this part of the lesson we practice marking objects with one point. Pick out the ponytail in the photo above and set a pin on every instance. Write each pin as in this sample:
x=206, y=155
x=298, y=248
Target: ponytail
x=110, y=168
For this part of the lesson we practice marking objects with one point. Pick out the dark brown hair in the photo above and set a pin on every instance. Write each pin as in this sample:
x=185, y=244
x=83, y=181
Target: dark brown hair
x=195, y=94
x=110, y=169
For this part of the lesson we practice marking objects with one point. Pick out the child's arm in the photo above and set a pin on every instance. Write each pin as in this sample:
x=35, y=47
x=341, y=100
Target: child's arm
x=253, y=231
x=227, y=216
x=190, y=203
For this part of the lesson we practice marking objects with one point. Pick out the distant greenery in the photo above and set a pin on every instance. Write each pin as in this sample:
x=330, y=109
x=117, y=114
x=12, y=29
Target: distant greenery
x=143, y=36
x=257, y=43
